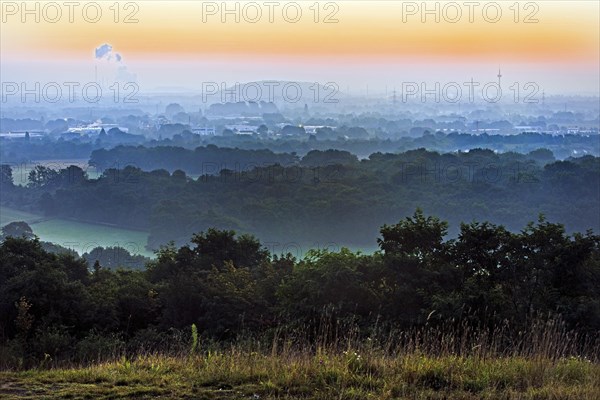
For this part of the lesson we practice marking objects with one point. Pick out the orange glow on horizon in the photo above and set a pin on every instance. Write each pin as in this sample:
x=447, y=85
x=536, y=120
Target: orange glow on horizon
x=567, y=32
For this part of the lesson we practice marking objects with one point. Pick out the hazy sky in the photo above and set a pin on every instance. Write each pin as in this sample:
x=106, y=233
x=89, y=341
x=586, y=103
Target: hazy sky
x=376, y=43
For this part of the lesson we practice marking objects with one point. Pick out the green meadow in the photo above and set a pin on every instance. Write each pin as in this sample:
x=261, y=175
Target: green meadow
x=240, y=374
x=79, y=236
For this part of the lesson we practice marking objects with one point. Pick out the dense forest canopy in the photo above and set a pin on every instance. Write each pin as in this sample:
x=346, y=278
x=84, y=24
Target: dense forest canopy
x=325, y=199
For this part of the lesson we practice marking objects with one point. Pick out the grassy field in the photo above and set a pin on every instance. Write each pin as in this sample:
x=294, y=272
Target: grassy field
x=9, y=215
x=79, y=236
x=235, y=374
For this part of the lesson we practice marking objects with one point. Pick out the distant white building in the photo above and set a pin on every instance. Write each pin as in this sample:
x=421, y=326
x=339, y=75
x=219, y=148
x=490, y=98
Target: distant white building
x=95, y=129
x=21, y=134
x=576, y=130
x=85, y=130
x=527, y=128
x=242, y=129
x=204, y=131
x=312, y=129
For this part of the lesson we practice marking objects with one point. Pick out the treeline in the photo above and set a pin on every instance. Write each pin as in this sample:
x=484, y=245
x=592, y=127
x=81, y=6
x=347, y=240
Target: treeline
x=53, y=305
x=315, y=203
x=49, y=148
x=204, y=160
x=170, y=154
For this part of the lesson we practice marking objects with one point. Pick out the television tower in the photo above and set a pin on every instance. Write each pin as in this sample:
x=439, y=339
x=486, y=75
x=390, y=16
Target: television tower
x=543, y=97
x=499, y=77
x=231, y=94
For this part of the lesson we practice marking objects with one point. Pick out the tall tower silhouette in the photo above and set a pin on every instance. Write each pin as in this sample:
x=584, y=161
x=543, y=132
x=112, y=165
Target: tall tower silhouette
x=499, y=77
x=472, y=94
x=543, y=97
x=232, y=95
